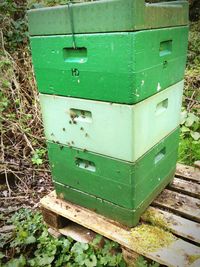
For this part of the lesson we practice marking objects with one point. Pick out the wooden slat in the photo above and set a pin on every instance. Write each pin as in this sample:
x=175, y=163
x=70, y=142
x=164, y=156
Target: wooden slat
x=176, y=254
x=197, y=164
x=186, y=187
x=196, y=263
x=188, y=172
x=78, y=232
x=186, y=206
x=180, y=226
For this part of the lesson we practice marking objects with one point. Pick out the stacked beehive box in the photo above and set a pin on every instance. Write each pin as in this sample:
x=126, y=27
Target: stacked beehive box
x=110, y=77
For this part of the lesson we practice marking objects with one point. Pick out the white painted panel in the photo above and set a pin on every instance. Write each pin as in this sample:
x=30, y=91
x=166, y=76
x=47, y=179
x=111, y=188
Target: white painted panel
x=120, y=131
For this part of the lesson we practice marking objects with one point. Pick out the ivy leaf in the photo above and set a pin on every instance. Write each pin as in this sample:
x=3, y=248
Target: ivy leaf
x=80, y=259
x=191, y=119
x=195, y=135
x=91, y=262
x=78, y=248
x=20, y=262
x=183, y=117
x=44, y=260
x=185, y=129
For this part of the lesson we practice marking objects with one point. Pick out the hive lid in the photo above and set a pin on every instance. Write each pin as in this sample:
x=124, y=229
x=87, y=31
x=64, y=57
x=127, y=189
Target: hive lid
x=106, y=16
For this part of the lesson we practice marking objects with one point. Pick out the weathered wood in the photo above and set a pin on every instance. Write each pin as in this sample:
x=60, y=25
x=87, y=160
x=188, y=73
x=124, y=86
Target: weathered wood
x=186, y=187
x=7, y=228
x=186, y=206
x=178, y=225
x=197, y=164
x=130, y=257
x=188, y=172
x=177, y=253
x=54, y=233
x=78, y=232
x=53, y=219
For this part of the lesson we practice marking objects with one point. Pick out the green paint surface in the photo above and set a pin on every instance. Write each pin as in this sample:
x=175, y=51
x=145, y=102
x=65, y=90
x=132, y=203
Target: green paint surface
x=129, y=217
x=107, y=16
x=119, y=182
x=120, y=131
x=114, y=67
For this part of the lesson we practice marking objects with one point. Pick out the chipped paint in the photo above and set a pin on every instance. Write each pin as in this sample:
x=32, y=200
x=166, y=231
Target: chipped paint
x=158, y=87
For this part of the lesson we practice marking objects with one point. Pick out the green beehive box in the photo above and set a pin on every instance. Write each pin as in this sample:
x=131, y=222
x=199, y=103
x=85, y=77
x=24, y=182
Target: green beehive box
x=114, y=67
x=125, y=132
x=107, y=16
x=114, y=188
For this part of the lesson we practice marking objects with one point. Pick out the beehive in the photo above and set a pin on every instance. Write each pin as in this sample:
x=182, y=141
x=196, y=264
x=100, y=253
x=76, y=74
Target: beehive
x=110, y=76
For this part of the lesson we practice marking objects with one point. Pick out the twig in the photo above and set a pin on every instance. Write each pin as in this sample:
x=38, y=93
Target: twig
x=7, y=183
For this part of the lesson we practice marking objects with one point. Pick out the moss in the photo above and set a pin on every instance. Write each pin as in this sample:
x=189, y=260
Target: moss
x=155, y=218
x=192, y=258
x=147, y=238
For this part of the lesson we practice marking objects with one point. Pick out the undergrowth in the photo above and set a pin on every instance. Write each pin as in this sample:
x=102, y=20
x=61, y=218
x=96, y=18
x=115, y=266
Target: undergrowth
x=30, y=244
x=189, y=149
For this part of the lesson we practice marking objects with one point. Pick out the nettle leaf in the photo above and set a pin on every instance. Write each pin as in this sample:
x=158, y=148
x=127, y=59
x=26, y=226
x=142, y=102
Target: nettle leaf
x=191, y=119
x=195, y=135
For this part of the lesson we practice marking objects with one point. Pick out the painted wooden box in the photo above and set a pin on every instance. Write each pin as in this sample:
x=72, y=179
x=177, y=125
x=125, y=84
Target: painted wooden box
x=107, y=16
x=119, y=131
x=118, y=189
x=114, y=67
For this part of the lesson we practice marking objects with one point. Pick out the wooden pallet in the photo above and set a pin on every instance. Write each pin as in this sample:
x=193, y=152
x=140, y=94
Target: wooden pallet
x=178, y=206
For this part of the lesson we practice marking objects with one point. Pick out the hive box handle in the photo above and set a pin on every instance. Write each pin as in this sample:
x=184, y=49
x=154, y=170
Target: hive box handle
x=160, y=155
x=85, y=164
x=75, y=55
x=162, y=106
x=165, y=48
x=80, y=115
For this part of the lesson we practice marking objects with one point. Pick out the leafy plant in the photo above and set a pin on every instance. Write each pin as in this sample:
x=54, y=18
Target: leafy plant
x=142, y=262
x=190, y=125
x=38, y=155
x=189, y=148
x=31, y=245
